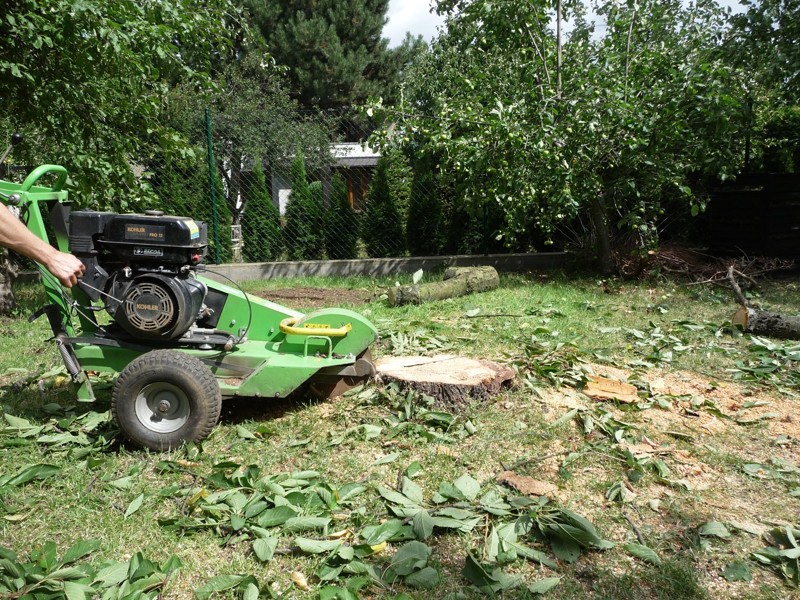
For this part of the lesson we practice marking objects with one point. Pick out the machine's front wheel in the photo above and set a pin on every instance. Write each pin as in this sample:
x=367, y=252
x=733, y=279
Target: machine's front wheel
x=165, y=398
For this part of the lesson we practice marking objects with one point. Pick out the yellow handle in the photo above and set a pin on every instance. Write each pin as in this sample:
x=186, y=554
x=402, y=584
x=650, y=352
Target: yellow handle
x=287, y=327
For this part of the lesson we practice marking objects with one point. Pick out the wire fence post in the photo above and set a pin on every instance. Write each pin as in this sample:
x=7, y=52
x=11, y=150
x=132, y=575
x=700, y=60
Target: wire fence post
x=485, y=228
x=212, y=186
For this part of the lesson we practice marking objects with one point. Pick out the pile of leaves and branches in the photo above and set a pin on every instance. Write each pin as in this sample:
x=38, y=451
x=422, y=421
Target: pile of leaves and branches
x=697, y=267
x=771, y=362
x=351, y=536
x=46, y=575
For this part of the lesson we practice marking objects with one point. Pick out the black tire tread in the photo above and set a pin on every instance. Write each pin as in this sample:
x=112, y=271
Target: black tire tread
x=172, y=360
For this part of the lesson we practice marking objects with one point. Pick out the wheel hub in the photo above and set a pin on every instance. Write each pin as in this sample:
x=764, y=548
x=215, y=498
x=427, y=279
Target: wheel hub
x=162, y=407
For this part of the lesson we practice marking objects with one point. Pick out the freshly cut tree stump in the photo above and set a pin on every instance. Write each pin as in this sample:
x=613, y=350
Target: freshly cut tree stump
x=770, y=324
x=458, y=281
x=452, y=381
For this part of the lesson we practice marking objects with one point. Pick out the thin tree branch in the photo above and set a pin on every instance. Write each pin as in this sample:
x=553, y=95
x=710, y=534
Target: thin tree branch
x=737, y=291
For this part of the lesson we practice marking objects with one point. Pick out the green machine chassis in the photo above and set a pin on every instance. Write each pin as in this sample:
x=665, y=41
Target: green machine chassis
x=169, y=393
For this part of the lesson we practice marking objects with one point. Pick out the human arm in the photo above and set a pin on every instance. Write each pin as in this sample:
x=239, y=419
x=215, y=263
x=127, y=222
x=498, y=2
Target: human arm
x=14, y=235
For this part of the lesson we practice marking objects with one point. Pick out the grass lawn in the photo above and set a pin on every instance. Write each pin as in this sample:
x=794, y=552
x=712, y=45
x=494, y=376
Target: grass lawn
x=381, y=494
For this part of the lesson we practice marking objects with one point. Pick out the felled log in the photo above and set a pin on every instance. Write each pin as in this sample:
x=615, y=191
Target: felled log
x=762, y=322
x=453, y=381
x=769, y=324
x=457, y=281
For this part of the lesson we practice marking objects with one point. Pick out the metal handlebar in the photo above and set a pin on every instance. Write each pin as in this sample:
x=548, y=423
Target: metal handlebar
x=42, y=170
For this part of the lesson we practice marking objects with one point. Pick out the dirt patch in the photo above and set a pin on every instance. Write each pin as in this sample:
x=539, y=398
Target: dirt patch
x=309, y=298
x=738, y=402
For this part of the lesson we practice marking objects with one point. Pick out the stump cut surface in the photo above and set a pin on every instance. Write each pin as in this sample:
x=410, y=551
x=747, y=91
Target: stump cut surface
x=451, y=380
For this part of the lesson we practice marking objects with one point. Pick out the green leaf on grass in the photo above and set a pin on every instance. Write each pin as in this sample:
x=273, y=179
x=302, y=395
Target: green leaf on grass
x=220, y=583
x=475, y=573
x=134, y=506
x=426, y=578
x=264, y=548
x=422, y=524
x=245, y=433
x=273, y=517
x=79, y=550
x=306, y=523
x=412, y=491
x=385, y=460
x=737, y=570
x=31, y=472
x=251, y=592
x=544, y=585
x=643, y=553
x=565, y=549
x=714, y=529
x=468, y=486
x=310, y=546
x=375, y=534
x=411, y=557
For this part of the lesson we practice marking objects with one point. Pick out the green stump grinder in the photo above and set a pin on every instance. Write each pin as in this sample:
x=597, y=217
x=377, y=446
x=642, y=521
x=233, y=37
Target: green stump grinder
x=180, y=342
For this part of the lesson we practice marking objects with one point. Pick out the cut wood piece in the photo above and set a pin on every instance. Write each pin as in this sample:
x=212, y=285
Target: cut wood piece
x=601, y=388
x=458, y=281
x=528, y=485
x=770, y=324
x=451, y=380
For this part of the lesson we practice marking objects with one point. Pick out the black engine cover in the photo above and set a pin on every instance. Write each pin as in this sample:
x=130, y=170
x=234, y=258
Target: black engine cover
x=156, y=306
x=145, y=239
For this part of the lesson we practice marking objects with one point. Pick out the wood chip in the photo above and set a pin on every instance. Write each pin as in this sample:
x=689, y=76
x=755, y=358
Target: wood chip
x=300, y=580
x=602, y=388
x=527, y=485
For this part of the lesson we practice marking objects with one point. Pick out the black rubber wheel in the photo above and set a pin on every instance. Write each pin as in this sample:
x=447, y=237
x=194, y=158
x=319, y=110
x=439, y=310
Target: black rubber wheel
x=165, y=398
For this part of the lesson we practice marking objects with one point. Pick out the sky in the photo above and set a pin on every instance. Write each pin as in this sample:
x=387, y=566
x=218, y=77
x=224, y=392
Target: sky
x=413, y=16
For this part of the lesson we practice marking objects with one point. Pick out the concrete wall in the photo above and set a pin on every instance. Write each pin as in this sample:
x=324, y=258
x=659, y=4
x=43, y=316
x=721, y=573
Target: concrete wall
x=378, y=267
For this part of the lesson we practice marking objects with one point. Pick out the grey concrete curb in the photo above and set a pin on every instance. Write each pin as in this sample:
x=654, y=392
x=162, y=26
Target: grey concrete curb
x=379, y=267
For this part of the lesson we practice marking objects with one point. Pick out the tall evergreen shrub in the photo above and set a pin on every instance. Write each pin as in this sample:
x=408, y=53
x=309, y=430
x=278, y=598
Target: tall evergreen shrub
x=341, y=223
x=425, y=219
x=303, y=232
x=261, y=228
x=382, y=229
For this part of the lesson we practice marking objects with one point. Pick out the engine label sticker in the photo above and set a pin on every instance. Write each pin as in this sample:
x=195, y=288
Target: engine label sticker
x=154, y=233
x=194, y=230
x=144, y=251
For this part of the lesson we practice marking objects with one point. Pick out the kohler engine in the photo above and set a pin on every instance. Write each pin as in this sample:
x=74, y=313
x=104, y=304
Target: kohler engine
x=143, y=268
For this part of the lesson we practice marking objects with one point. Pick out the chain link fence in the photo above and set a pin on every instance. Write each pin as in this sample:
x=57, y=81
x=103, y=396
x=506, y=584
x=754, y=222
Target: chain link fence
x=299, y=186
x=313, y=188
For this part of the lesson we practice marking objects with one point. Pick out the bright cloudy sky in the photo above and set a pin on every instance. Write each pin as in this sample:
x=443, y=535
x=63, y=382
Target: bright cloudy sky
x=413, y=16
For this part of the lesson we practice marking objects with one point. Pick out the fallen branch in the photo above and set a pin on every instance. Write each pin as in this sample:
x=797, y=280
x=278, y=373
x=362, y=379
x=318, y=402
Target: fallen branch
x=737, y=291
x=458, y=281
x=634, y=528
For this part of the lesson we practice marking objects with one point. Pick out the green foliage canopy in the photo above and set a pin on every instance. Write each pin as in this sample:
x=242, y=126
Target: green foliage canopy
x=333, y=50
x=636, y=114
x=86, y=81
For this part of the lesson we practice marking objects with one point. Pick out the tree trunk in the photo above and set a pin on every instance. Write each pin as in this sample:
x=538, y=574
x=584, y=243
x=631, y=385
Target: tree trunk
x=770, y=324
x=602, y=237
x=7, y=275
x=452, y=381
x=458, y=281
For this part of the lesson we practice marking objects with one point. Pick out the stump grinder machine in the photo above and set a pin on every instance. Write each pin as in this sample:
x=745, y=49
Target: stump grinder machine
x=180, y=342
